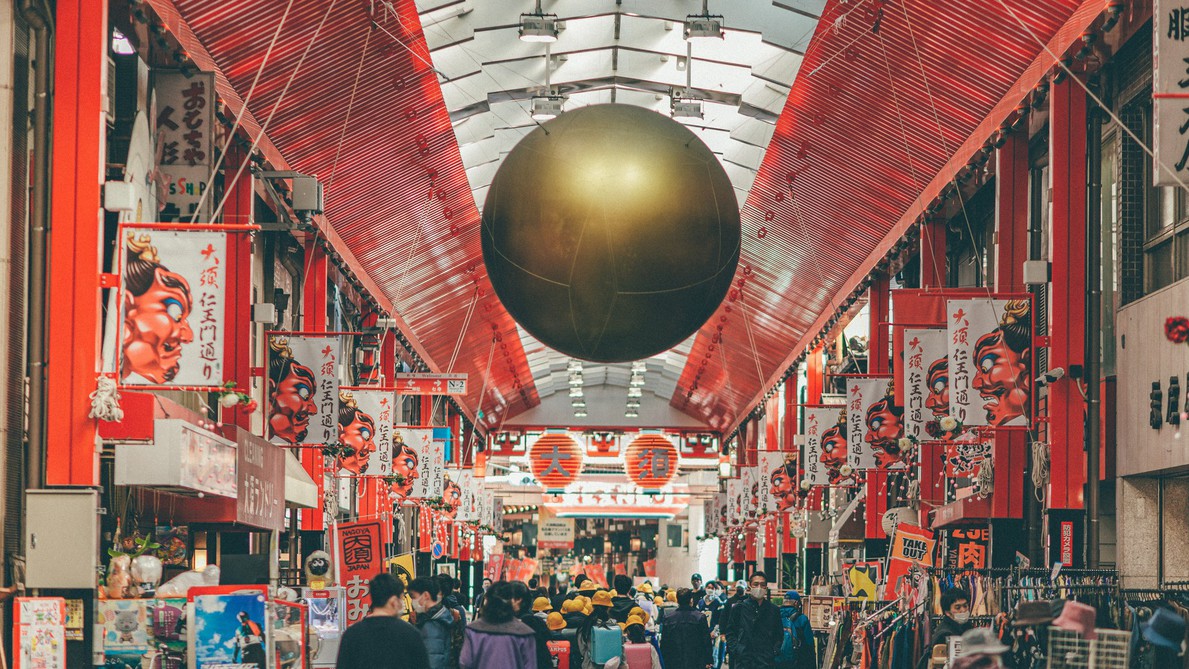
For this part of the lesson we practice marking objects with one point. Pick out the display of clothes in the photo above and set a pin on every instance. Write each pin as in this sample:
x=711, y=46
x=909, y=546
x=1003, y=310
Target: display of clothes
x=1140, y=605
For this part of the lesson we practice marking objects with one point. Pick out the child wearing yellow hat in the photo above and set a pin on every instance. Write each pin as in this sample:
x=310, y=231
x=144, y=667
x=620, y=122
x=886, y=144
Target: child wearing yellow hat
x=637, y=651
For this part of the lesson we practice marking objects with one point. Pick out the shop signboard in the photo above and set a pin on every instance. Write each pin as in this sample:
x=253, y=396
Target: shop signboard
x=911, y=547
x=874, y=424
x=185, y=129
x=990, y=360
x=125, y=624
x=360, y=555
x=431, y=384
x=421, y=462
x=1170, y=90
x=365, y=421
x=172, y=307
x=303, y=389
x=556, y=534
x=820, y=611
x=260, y=477
x=753, y=492
x=967, y=548
x=39, y=633
x=475, y=502
x=230, y=627
x=182, y=455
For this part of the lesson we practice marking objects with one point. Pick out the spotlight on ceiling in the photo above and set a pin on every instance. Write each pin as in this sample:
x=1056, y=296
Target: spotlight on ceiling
x=686, y=107
x=631, y=413
x=538, y=26
x=635, y=392
x=576, y=391
x=546, y=107
x=703, y=25
x=581, y=413
x=637, y=381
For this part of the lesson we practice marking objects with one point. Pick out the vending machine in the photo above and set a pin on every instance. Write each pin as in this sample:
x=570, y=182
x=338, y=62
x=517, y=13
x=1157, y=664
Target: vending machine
x=326, y=624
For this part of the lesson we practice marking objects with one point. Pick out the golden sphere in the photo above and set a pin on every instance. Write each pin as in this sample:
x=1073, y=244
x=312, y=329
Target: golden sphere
x=611, y=233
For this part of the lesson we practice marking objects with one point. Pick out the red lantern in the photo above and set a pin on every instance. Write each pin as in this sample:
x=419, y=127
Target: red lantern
x=556, y=460
x=651, y=461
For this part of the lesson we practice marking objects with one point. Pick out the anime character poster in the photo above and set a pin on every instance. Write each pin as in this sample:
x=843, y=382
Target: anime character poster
x=779, y=481
x=365, y=427
x=172, y=307
x=303, y=389
x=825, y=444
x=990, y=351
x=875, y=424
x=229, y=631
x=926, y=380
x=419, y=463
x=125, y=627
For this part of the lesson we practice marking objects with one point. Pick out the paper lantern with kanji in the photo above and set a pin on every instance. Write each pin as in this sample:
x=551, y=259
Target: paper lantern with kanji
x=556, y=461
x=651, y=461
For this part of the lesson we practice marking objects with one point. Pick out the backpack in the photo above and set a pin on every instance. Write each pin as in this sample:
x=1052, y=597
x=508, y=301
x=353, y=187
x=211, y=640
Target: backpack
x=790, y=644
x=605, y=643
x=559, y=651
x=638, y=655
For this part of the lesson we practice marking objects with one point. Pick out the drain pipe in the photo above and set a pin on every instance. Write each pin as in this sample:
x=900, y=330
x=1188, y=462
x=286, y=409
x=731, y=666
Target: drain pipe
x=41, y=20
x=1092, y=368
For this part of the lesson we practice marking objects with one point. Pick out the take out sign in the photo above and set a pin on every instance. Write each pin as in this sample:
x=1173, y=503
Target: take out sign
x=431, y=384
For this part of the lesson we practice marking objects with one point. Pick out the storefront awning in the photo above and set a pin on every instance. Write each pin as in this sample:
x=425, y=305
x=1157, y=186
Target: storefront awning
x=300, y=489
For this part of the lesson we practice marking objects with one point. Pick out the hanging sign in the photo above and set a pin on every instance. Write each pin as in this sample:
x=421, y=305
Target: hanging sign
x=926, y=380
x=185, y=133
x=722, y=513
x=421, y=463
x=651, y=461
x=753, y=489
x=1170, y=88
x=474, y=500
x=39, y=633
x=964, y=459
x=967, y=548
x=260, y=479
x=303, y=389
x=990, y=353
x=778, y=482
x=875, y=424
x=172, y=307
x=556, y=534
x=710, y=516
x=431, y=384
x=825, y=444
x=365, y=426
x=911, y=547
x=736, y=502
x=360, y=555
x=556, y=460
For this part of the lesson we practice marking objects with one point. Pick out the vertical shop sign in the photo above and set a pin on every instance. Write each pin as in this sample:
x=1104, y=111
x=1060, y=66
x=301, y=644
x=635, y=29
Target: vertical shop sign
x=172, y=307
x=874, y=423
x=911, y=547
x=967, y=548
x=1170, y=49
x=424, y=462
x=39, y=633
x=260, y=478
x=185, y=134
x=753, y=492
x=926, y=380
x=303, y=389
x=360, y=556
x=990, y=355
x=365, y=429
x=1067, y=543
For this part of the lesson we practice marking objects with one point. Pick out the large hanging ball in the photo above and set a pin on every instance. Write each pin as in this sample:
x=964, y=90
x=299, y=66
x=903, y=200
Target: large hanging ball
x=611, y=233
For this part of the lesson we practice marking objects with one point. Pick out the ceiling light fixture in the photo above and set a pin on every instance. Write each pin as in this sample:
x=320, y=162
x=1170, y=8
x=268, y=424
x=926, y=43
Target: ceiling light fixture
x=686, y=105
x=635, y=392
x=576, y=391
x=581, y=413
x=704, y=24
x=545, y=107
x=631, y=413
x=639, y=366
x=538, y=26
x=637, y=381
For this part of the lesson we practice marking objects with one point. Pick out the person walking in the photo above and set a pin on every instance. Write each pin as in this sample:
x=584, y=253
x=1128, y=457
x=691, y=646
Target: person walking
x=695, y=583
x=382, y=640
x=754, y=634
x=797, y=650
x=479, y=597
x=435, y=622
x=497, y=640
x=623, y=598
x=600, y=638
x=637, y=652
x=712, y=606
x=522, y=602
x=685, y=636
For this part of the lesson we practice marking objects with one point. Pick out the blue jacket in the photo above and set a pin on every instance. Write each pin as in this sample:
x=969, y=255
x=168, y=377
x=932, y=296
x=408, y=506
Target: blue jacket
x=798, y=651
x=436, y=625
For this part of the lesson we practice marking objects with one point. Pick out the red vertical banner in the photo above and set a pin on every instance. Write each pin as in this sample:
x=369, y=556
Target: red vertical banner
x=360, y=555
x=425, y=530
x=772, y=537
x=455, y=540
x=788, y=543
x=724, y=548
x=238, y=211
x=314, y=320
x=749, y=548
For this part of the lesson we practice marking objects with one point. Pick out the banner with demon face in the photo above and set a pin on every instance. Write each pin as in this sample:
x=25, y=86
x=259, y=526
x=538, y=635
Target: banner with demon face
x=778, y=481
x=990, y=352
x=365, y=427
x=172, y=307
x=419, y=463
x=926, y=380
x=303, y=389
x=825, y=445
x=875, y=424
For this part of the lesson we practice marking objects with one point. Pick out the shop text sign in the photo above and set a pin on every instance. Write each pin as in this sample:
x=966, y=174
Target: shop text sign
x=261, y=480
x=1170, y=82
x=557, y=534
x=431, y=384
x=360, y=555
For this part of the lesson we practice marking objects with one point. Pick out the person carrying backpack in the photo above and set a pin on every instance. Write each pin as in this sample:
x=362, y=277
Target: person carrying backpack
x=601, y=639
x=637, y=652
x=685, y=636
x=797, y=650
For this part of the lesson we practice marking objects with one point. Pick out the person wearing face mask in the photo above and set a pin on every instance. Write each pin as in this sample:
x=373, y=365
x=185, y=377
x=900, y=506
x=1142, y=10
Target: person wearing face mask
x=479, y=597
x=754, y=632
x=382, y=640
x=434, y=620
x=712, y=605
x=955, y=604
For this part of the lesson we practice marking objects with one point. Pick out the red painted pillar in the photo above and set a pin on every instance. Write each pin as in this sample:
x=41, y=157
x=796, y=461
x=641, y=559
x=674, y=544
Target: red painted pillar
x=878, y=362
x=788, y=543
x=314, y=320
x=934, y=273
x=1012, y=194
x=238, y=211
x=1067, y=327
x=75, y=243
x=815, y=383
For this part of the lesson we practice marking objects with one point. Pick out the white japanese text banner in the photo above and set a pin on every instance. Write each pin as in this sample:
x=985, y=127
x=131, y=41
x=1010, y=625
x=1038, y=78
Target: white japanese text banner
x=303, y=389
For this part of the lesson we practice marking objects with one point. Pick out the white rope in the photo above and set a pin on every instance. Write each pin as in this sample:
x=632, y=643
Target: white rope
x=1040, y=468
x=105, y=400
x=985, y=481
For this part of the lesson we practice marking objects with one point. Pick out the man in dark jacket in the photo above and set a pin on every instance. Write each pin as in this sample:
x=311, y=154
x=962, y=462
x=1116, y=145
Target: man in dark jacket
x=695, y=582
x=435, y=622
x=739, y=596
x=450, y=601
x=624, y=600
x=382, y=640
x=685, y=636
x=754, y=634
x=955, y=604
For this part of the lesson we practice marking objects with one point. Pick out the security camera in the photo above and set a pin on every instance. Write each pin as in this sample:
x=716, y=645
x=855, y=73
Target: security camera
x=1050, y=377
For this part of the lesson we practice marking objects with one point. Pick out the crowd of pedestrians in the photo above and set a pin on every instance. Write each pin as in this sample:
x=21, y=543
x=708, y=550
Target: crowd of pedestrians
x=519, y=625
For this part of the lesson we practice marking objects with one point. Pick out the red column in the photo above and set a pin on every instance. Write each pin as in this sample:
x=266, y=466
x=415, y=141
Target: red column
x=1067, y=325
x=238, y=357
x=878, y=363
x=815, y=383
x=75, y=244
x=314, y=320
x=1012, y=194
x=933, y=248
x=788, y=543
